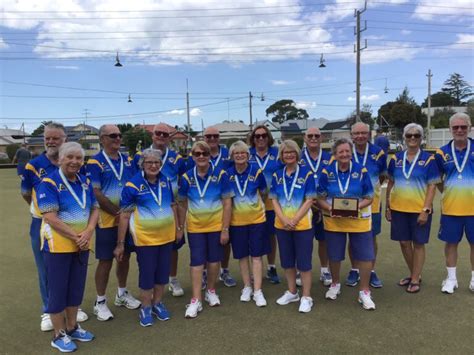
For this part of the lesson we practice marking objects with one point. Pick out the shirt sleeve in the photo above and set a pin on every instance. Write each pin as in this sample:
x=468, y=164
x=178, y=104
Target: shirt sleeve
x=391, y=168
x=322, y=189
x=226, y=189
x=367, y=188
x=94, y=203
x=94, y=173
x=28, y=179
x=128, y=198
x=274, y=187
x=183, y=188
x=439, y=158
x=309, y=187
x=433, y=175
x=48, y=196
x=382, y=164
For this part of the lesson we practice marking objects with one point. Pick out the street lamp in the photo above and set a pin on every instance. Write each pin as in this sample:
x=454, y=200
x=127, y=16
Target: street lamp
x=321, y=61
x=117, y=61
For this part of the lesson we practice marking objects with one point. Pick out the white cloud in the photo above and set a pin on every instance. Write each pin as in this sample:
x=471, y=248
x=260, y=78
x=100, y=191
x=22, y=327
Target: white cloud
x=279, y=82
x=465, y=41
x=175, y=113
x=437, y=9
x=3, y=44
x=305, y=104
x=66, y=67
x=365, y=98
x=195, y=112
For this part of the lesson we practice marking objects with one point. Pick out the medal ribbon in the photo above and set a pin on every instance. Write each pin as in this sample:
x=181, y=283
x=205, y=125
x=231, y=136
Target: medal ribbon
x=82, y=204
x=202, y=192
x=293, y=184
x=366, y=154
x=466, y=157
x=118, y=175
x=308, y=158
x=158, y=198
x=407, y=175
x=237, y=182
x=346, y=186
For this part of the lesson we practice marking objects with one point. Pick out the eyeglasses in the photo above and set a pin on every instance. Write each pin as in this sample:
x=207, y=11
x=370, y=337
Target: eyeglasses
x=413, y=135
x=313, y=136
x=113, y=135
x=211, y=136
x=151, y=163
x=200, y=154
x=360, y=133
x=292, y=152
x=161, y=134
x=261, y=136
x=462, y=128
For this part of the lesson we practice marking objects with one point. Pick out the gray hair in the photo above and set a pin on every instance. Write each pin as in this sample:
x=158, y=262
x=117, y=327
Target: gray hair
x=55, y=125
x=339, y=142
x=238, y=146
x=413, y=126
x=460, y=115
x=71, y=147
x=363, y=124
x=103, y=127
x=291, y=145
x=150, y=152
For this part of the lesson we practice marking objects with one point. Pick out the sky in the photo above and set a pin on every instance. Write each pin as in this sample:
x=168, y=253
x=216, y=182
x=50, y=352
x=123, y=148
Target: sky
x=57, y=57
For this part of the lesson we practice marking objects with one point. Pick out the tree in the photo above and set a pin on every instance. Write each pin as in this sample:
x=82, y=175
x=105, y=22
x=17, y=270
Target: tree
x=440, y=118
x=457, y=88
x=40, y=129
x=365, y=116
x=133, y=136
x=284, y=110
x=439, y=99
x=402, y=111
x=470, y=109
x=124, y=127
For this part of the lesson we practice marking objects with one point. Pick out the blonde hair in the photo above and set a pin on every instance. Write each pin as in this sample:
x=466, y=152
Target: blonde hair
x=202, y=145
x=290, y=145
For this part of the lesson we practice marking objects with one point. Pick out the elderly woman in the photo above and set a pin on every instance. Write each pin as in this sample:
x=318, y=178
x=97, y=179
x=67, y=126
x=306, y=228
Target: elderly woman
x=348, y=183
x=70, y=215
x=205, y=198
x=413, y=175
x=247, y=225
x=148, y=208
x=265, y=156
x=292, y=193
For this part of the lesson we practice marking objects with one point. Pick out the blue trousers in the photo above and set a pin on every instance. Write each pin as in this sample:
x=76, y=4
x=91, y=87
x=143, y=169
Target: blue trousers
x=39, y=260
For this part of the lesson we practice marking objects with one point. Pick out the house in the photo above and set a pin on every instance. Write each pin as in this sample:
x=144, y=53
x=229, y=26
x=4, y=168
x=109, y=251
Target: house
x=179, y=139
x=336, y=129
x=274, y=128
x=229, y=130
x=10, y=136
x=297, y=128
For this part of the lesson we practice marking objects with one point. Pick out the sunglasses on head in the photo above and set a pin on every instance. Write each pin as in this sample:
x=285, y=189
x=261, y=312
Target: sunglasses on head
x=412, y=135
x=161, y=134
x=200, y=154
x=261, y=136
x=113, y=135
x=313, y=136
x=462, y=128
x=211, y=136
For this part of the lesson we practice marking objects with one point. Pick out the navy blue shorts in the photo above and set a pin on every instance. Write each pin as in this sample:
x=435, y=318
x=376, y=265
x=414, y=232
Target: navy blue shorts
x=404, y=227
x=296, y=249
x=361, y=244
x=205, y=248
x=106, y=241
x=67, y=274
x=153, y=265
x=178, y=245
x=318, y=226
x=452, y=228
x=269, y=230
x=248, y=240
x=376, y=224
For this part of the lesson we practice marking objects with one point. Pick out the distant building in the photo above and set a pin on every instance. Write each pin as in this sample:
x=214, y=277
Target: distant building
x=334, y=130
x=462, y=109
x=229, y=130
x=10, y=136
x=274, y=128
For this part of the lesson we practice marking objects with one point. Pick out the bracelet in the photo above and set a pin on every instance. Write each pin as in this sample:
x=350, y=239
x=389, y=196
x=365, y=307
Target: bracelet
x=180, y=228
x=120, y=241
x=225, y=229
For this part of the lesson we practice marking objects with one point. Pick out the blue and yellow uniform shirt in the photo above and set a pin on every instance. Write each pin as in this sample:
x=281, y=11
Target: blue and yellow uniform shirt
x=205, y=214
x=37, y=169
x=173, y=166
x=408, y=195
x=360, y=186
x=150, y=224
x=458, y=192
x=268, y=164
x=220, y=161
x=249, y=208
x=325, y=160
x=103, y=178
x=54, y=196
x=376, y=165
x=304, y=190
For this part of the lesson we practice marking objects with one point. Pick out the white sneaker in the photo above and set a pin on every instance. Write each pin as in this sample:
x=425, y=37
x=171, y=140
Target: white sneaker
x=81, y=316
x=471, y=285
x=287, y=298
x=448, y=286
x=246, y=294
x=299, y=283
x=259, y=298
x=127, y=300
x=333, y=292
x=366, y=300
x=102, y=311
x=46, y=324
x=212, y=298
x=325, y=278
x=175, y=288
x=306, y=304
x=192, y=309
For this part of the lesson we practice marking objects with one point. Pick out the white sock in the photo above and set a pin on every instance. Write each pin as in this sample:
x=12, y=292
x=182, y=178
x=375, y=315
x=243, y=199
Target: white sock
x=352, y=269
x=101, y=298
x=324, y=269
x=121, y=291
x=270, y=266
x=472, y=276
x=451, y=273
x=173, y=278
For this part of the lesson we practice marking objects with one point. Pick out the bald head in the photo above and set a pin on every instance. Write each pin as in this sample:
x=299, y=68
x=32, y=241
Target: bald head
x=360, y=127
x=161, y=136
x=360, y=134
x=211, y=137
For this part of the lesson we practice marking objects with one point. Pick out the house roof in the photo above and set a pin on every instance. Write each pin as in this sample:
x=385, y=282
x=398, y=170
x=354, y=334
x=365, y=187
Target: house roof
x=232, y=126
x=272, y=126
x=339, y=124
x=11, y=136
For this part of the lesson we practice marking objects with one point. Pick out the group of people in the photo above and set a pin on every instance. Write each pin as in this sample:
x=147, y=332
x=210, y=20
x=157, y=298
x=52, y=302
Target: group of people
x=250, y=199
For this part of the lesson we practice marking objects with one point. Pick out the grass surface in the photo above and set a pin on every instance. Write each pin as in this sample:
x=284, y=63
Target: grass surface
x=427, y=322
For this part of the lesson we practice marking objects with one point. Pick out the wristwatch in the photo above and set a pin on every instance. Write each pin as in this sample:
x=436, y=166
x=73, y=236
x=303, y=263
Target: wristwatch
x=225, y=229
x=180, y=228
x=427, y=210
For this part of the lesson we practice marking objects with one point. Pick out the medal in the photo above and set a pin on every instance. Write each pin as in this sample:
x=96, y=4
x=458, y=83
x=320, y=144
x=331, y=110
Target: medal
x=82, y=204
x=202, y=192
x=158, y=198
x=413, y=164
x=237, y=182
x=366, y=154
x=118, y=175
x=346, y=186
x=464, y=161
x=310, y=162
x=293, y=184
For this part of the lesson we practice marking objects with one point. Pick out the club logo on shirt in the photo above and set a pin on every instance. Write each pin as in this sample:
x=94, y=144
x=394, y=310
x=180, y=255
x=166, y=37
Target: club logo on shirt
x=251, y=178
x=142, y=188
x=374, y=156
x=272, y=157
x=232, y=178
x=355, y=175
x=127, y=163
x=447, y=157
x=214, y=179
x=300, y=181
x=280, y=181
x=61, y=187
x=399, y=163
x=421, y=162
x=171, y=159
x=163, y=183
x=85, y=186
x=326, y=162
x=42, y=172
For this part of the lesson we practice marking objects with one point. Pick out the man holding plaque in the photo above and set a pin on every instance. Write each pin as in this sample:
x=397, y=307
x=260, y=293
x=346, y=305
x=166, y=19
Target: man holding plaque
x=345, y=194
x=456, y=163
x=374, y=159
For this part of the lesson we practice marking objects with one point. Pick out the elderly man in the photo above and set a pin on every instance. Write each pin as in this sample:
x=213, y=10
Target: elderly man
x=109, y=170
x=375, y=160
x=173, y=167
x=316, y=159
x=456, y=163
x=219, y=159
x=35, y=171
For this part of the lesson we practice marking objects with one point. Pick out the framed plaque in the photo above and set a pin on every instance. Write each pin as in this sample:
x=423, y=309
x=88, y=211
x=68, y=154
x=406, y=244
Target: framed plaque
x=345, y=207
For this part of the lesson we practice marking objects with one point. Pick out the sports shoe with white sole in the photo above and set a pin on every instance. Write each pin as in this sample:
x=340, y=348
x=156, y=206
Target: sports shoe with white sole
x=80, y=334
x=326, y=278
x=365, y=300
x=193, y=308
x=246, y=294
x=175, y=288
x=63, y=343
x=212, y=298
x=287, y=298
x=259, y=299
x=306, y=304
x=127, y=300
x=471, y=286
x=81, y=316
x=102, y=311
x=333, y=292
x=46, y=324
x=448, y=286
x=227, y=279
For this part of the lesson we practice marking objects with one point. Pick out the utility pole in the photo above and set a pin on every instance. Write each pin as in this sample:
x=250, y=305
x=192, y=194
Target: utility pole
x=250, y=109
x=84, y=134
x=357, y=50
x=428, y=129
x=188, y=114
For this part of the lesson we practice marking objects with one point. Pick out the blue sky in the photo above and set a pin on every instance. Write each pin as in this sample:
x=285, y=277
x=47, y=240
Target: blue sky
x=57, y=57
